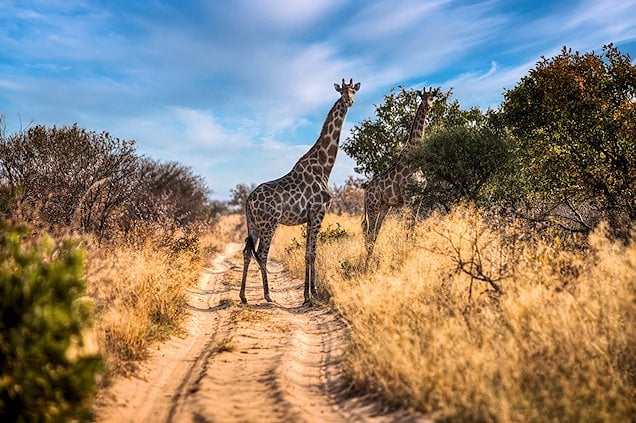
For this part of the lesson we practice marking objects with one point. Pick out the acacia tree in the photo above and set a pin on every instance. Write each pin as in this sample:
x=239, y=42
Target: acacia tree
x=573, y=122
x=460, y=151
x=376, y=143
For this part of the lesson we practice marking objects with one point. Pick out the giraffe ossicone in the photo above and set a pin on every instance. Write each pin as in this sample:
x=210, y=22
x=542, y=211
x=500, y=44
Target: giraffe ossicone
x=301, y=196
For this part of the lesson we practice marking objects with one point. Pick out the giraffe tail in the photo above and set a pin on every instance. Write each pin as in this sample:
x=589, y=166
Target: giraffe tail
x=250, y=242
x=250, y=248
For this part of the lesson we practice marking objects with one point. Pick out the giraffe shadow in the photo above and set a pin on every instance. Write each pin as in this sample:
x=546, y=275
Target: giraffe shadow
x=301, y=309
x=210, y=309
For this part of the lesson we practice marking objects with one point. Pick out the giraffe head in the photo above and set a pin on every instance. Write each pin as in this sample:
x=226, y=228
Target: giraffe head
x=347, y=91
x=430, y=95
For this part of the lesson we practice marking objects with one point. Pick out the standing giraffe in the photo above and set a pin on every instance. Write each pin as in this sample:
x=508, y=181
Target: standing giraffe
x=299, y=197
x=388, y=189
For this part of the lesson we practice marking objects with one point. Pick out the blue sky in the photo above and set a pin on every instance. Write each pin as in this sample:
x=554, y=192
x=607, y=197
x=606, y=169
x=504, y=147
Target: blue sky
x=238, y=89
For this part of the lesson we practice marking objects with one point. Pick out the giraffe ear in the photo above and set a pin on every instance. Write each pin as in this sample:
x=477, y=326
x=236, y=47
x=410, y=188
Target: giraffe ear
x=337, y=87
x=357, y=86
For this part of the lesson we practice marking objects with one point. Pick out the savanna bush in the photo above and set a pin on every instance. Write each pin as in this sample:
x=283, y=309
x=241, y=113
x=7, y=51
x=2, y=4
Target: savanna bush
x=458, y=163
x=47, y=373
x=69, y=177
x=573, y=123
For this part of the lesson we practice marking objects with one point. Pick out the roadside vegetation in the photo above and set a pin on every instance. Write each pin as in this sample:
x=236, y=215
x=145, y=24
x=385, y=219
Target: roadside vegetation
x=472, y=320
x=99, y=247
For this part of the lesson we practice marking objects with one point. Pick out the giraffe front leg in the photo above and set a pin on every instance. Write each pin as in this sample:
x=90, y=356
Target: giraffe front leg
x=263, y=253
x=313, y=227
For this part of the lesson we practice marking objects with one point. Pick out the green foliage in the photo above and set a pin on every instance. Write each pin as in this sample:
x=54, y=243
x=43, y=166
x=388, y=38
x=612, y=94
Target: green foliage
x=44, y=376
x=332, y=233
x=376, y=143
x=573, y=121
x=458, y=163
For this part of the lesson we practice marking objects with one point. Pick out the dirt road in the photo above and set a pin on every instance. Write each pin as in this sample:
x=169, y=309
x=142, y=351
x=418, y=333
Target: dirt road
x=257, y=363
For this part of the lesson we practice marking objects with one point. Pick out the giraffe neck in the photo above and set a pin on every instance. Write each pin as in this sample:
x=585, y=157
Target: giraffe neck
x=415, y=136
x=419, y=123
x=322, y=155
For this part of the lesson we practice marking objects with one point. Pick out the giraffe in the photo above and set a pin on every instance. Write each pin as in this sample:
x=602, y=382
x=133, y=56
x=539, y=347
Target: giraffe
x=299, y=197
x=388, y=189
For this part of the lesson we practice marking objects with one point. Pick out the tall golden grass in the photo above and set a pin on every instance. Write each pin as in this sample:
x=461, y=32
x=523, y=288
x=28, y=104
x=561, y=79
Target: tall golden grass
x=140, y=296
x=429, y=329
x=140, y=289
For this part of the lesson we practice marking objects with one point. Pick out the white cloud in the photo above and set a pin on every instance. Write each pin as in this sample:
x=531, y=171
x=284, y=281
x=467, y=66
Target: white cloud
x=484, y=89
x=412, y=39
x=200, y=128
x=392, y=19
x=288, y=13
x=612, y=19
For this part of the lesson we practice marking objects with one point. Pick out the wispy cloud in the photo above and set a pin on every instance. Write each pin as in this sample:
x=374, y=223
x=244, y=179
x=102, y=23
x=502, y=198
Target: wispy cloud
x=288, y=15
x=485, y=89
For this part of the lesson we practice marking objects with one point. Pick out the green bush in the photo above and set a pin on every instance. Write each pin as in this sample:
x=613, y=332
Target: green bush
x=458, y=163
x=44, y=373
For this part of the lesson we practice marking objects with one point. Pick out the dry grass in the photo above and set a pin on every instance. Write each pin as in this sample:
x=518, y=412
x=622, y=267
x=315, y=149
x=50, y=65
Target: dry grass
x=229, y=228
x=430, y=330
x=140, y=294
x=140, y=290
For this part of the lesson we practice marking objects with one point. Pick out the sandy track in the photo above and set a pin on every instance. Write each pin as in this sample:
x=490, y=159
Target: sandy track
x=261, y=362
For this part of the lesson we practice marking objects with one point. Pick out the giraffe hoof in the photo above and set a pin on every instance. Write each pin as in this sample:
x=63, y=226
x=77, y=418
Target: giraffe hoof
x=268, y=299
x=243, y=300
x=307, y=302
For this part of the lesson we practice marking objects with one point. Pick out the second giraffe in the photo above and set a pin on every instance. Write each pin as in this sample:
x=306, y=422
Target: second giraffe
x=388, y=189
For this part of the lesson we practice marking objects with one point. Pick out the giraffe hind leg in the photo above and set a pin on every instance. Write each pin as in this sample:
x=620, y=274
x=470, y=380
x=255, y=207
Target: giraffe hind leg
x=375, y=220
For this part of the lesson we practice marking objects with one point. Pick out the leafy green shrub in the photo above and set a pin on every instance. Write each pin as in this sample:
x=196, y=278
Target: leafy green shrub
x=333, y=233
x=458, y=163
x=375, y=144
x=45, y=374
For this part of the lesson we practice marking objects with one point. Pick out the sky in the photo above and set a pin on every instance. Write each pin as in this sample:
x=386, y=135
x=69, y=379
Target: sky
x=238, y=90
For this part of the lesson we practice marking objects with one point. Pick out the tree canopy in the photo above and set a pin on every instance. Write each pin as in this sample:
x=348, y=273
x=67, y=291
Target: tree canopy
x=573, y=122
